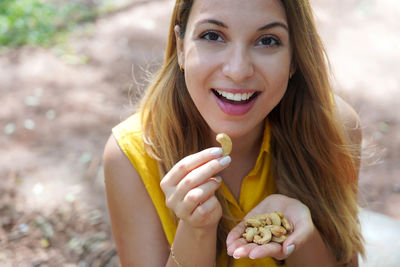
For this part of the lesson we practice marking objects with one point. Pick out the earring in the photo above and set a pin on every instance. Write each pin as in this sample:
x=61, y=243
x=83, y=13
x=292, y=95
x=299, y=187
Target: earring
x=181, y=68
x=291, y=75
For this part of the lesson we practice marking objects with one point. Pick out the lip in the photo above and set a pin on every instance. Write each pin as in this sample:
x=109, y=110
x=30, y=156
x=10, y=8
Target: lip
x=235, y=109
x=236, y=91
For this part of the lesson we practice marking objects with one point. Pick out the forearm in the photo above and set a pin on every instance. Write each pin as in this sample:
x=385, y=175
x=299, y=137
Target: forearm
x=194, y=246
x=314, y=252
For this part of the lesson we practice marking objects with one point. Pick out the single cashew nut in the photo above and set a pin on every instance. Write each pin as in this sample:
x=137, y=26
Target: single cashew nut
x=261, y=217
x=225, y=142
x=285, y=221
x=286, y=224
x=276, y=220
x=277, y=230
x=250, y=233
x=264, y=237
x=258, y=220
x=253, y=222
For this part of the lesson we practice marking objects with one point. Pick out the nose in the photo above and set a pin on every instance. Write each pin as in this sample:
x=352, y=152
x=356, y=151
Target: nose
x=238, y=65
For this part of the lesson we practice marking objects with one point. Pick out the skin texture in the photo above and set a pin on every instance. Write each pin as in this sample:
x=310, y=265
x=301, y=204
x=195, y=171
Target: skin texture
x=138, y=235
x=236, y=56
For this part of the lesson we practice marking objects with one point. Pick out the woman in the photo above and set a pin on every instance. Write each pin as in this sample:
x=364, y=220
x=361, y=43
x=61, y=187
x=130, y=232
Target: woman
x=255, y=70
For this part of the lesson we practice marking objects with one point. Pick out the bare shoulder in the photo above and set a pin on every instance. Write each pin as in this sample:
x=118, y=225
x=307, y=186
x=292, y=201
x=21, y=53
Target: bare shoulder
x=135, y=224
x=118, y=171
x=349, y=118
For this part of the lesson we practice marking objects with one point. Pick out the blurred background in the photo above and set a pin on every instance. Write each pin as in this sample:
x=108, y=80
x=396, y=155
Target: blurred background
x=71, y=70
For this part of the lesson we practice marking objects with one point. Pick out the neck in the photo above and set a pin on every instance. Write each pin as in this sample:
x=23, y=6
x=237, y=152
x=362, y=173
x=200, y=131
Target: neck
x=244, y=155
x=245, y=148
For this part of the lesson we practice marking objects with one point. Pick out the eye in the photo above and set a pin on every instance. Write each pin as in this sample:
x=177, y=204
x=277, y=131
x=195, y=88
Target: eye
x=212, y=36
x=269, y=41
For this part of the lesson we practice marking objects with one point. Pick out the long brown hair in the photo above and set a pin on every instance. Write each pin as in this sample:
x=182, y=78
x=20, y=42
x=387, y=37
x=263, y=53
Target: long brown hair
x=312, y=160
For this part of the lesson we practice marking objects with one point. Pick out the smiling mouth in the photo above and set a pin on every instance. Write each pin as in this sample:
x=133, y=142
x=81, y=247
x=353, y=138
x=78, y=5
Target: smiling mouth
x=235, y=98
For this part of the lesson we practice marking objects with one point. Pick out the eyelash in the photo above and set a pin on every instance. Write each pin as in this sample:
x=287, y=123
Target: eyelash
x=270, y=38
x=207, y=33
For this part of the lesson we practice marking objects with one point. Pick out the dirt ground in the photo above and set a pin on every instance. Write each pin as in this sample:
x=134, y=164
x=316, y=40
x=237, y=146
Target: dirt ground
x=59, y=104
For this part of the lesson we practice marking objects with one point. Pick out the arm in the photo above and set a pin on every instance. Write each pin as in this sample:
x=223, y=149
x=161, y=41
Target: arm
x=136, y=227
x=189, y=189
x=194, y=247
x=189, y=192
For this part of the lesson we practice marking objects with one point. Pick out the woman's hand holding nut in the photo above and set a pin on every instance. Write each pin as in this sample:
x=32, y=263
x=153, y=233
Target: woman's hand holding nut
x=301, y=223
x=190, y=186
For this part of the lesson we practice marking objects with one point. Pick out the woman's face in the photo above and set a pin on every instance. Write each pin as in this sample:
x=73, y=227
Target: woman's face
x=237, y=57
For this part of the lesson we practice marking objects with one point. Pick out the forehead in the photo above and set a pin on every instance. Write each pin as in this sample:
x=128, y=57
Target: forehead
x=245, y=11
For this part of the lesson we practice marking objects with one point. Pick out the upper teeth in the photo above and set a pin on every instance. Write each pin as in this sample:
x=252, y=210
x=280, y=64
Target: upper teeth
x=235, y=97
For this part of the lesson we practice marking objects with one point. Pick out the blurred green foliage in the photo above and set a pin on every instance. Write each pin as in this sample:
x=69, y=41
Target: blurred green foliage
x=38, y=22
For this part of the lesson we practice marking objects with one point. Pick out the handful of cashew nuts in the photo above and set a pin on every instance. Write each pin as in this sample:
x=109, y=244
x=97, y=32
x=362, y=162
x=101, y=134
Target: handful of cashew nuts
x=225, y=142
x=269, y=227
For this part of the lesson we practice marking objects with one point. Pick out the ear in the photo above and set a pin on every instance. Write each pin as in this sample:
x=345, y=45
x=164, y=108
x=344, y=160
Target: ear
x=179, y=45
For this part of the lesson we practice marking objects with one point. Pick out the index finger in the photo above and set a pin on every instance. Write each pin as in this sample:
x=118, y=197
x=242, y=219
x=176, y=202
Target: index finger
x=187, y=164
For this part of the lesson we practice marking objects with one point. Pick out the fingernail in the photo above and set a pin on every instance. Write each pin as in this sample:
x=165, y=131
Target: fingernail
x=289, y=250
x=236, y=257
x=225, y=160
x=217, y=179
x=217, y=151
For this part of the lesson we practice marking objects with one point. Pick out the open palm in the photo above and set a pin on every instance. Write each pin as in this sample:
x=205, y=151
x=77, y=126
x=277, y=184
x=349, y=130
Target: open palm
x=299, y=217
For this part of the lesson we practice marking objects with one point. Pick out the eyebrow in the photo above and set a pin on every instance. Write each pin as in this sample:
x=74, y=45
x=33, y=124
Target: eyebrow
x=265, y=27
x=273, y=25
x=212, y=21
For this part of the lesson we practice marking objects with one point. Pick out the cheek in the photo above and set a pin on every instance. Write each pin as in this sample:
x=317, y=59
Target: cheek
x=278, y=86
x=199, y=66
x=275, y=74
x=199, y=63
x=196, y=84
x=276, y=71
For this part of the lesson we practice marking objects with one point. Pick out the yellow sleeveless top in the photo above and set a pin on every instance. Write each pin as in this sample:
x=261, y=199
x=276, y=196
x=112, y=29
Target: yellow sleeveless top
x=256, y=186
